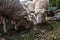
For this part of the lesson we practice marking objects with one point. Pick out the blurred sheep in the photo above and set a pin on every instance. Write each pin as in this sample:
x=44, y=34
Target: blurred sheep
x=37, y=10
x=13, y=11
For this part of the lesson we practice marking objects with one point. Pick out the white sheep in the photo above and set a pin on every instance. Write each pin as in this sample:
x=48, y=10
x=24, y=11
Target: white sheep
x=39, y=7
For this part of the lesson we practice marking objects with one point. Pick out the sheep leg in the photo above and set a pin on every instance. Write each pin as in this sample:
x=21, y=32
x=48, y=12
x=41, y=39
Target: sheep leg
x=15, y=27
x=13, y=22
x=4, y=26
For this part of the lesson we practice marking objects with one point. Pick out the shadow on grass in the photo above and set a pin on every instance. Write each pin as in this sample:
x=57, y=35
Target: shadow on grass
x=48, y=26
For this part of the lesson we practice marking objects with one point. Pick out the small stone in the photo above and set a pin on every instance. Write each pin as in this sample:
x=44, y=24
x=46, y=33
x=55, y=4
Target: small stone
x=2, y=39
x=23, y=35
x=36, y=39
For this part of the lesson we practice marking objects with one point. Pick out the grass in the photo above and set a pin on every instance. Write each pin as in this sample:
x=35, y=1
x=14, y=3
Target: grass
x=34, y=33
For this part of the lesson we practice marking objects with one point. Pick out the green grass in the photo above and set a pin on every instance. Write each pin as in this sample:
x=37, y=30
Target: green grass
x=35, y=34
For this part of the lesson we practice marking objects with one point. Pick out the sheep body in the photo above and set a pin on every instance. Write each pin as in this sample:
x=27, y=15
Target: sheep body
x=12, y=10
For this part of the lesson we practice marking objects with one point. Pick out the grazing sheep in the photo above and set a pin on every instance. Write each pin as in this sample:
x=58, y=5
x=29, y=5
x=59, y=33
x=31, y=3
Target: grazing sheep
x=40, y=7
x=37, y=10
x=12, y=10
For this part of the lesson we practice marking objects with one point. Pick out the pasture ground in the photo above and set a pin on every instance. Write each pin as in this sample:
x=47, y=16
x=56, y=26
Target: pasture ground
x=38, y=32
